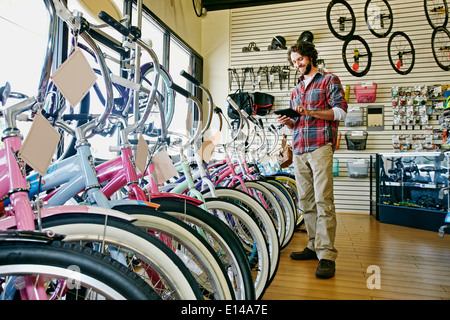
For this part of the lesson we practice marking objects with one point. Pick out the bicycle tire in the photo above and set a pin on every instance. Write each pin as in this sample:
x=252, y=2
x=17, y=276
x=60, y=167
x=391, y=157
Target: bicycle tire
x=93, y=270
x=383, y=33
x=288, y=207
x=290, y=183
x=228, y=247
x=264, y=220
x=205, y=265
x=442, y=58
x=436, y=12
x=341, y=21
x=271, y=205
x=94, y=228
x=368, y=53
x=407, y=44
x=252, y=238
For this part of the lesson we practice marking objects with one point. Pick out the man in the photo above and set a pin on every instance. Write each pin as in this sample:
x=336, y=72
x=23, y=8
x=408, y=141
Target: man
x=319, y=99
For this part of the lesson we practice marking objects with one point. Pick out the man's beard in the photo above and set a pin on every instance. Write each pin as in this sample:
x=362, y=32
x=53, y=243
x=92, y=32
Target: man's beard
x=307, y=69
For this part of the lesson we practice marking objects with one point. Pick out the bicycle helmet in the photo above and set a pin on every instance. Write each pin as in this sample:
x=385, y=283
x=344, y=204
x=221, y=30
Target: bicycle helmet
x=278, y=42
x=306, y=36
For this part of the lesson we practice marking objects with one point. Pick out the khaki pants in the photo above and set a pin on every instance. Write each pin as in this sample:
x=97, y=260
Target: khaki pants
x=314, y=178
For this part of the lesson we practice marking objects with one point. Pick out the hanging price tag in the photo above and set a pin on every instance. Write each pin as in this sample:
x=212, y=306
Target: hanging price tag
x=40, y=144
x=164, y=168
x=74, y=78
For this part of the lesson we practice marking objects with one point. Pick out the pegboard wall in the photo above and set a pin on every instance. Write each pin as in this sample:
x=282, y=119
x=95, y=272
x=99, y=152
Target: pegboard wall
x=259, y=25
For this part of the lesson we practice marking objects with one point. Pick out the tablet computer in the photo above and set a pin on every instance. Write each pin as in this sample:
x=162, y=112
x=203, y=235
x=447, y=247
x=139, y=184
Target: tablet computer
x=291, y=113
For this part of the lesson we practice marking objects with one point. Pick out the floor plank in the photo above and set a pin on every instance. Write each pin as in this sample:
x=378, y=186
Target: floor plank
x=414, y=264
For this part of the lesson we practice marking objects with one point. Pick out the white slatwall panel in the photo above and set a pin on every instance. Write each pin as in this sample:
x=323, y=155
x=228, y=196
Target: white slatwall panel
x=260, y=24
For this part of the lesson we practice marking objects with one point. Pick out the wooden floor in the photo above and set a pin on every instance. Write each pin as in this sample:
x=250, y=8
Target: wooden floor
x=414, y=265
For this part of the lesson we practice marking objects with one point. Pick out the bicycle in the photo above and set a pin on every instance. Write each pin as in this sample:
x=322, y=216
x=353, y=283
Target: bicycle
x=152, y=252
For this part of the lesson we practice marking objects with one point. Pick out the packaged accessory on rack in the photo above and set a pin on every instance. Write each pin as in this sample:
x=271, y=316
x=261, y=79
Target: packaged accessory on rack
x=243, y=100
x=366, y=92
x=262, y=103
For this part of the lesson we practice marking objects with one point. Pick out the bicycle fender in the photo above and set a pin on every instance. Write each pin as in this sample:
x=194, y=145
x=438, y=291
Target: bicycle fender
x=50, y=211
x=176, y=197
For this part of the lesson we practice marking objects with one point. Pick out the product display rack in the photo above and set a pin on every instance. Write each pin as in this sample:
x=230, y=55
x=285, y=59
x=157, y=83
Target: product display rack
x=410, y=189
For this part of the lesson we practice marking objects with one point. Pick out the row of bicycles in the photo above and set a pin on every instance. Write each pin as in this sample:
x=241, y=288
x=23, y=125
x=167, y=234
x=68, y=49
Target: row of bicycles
x=92, y=229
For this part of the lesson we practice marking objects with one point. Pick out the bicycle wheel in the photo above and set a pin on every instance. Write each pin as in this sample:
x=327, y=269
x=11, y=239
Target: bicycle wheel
x=379, y=17
x=68, y=272
x=436, y=12
x=288, y=207
x=401, y=53
x=270, y=203
x=150, y=258
x=193, y=250
x=291, y=186
x=357, y=48
x=440, y=45
x=264, y=220
x=251, y=237
x=223, y=241
x=341, y=19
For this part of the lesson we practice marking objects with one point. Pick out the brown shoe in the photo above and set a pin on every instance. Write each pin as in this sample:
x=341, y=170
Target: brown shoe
x=326, y=269
x=306, y=254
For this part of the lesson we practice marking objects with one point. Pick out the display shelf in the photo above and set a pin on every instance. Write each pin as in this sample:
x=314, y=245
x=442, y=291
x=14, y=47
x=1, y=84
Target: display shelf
x=410, y=189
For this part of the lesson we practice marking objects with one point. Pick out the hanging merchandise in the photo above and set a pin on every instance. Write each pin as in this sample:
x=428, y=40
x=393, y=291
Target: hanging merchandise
x=251, y=47
x=262, y=71
x=284, y=154
x=262, y=103
x=245, y=71
x=366, y=92
x=356, y=140
x=243, y=100
x=354, y=117
x=278, y=42
x=306, y=36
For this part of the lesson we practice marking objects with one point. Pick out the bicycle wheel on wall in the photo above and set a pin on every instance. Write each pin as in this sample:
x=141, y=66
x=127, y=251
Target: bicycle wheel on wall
x=379, y=17
x=440, y=45
x=401, y=53
x=436, y=12
x=341, y=19
x=357, y=56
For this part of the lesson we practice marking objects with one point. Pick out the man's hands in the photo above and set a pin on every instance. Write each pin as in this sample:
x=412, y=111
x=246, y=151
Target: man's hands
x=285, y=120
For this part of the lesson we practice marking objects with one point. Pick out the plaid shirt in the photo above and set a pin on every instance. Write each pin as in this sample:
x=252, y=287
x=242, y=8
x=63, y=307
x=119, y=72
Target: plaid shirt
x=322, y=93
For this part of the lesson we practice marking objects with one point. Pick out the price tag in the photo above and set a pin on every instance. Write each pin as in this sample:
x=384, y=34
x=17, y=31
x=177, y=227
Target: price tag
x=141, y=154
x=164, y=168
x=74, y=78
x=40, y=144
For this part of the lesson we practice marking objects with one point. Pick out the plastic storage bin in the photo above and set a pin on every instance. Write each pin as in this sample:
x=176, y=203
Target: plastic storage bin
x=354, y=118
x=366, y=92
x=356, y=140
x=335, y=167
x=358, y=168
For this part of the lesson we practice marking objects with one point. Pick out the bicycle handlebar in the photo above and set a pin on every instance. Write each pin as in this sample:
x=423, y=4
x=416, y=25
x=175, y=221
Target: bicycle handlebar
x=114, y=23
x=179, y=89
x=190, y=78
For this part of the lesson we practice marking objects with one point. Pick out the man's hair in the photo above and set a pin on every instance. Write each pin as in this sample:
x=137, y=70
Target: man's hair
x=304, y=48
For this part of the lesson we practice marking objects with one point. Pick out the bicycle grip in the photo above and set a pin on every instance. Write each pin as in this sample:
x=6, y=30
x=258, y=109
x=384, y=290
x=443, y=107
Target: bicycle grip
x=190, y=78
x=113, y=23
x=179, y=89
x=260, y=123
x=77, y=117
